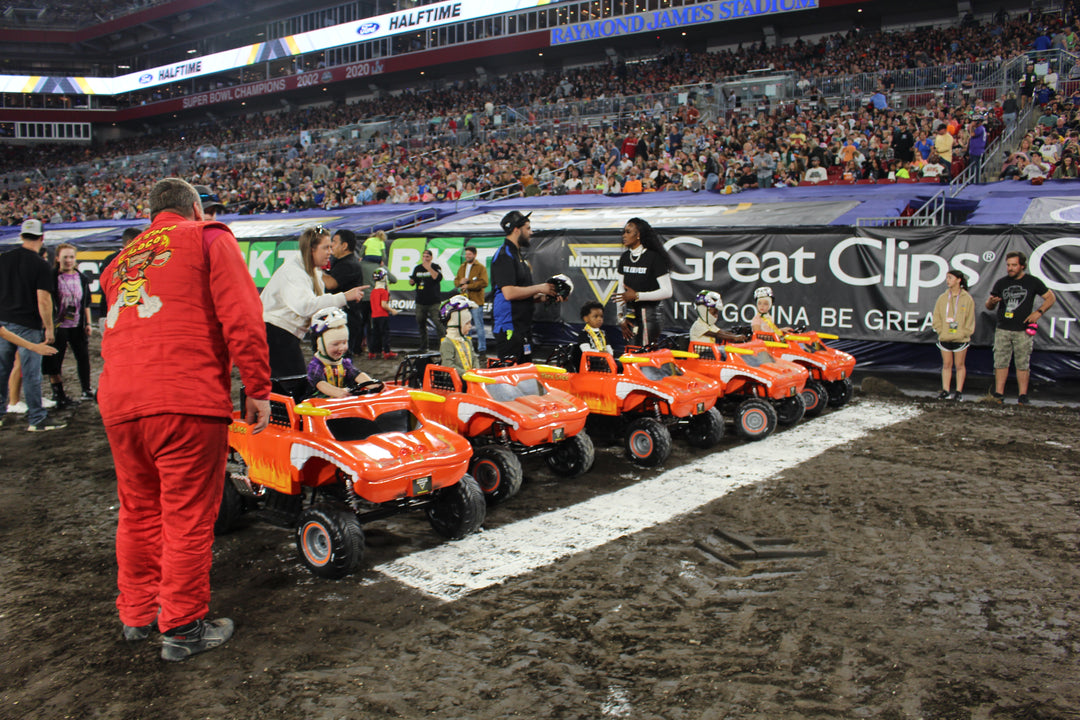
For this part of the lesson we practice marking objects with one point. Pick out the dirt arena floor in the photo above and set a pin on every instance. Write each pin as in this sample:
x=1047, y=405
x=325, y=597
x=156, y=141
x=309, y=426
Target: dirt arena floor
x=928, y=570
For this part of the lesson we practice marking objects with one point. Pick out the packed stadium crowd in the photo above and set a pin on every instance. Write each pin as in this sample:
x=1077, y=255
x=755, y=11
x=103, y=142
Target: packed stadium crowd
x=657, y=148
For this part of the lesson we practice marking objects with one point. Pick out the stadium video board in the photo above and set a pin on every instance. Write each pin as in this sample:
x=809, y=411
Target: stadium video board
x=372, y=28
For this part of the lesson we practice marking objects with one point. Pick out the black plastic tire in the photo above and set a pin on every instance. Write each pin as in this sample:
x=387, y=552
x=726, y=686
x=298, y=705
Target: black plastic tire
x=458, y=510
x=815, y=397
x=647, y=442
x=755, y=419
x=706, y=429
x=572, y=457
x=840, y=391
x=232, y=507
x=497, y=471
x=330, y=540
x=790, y=410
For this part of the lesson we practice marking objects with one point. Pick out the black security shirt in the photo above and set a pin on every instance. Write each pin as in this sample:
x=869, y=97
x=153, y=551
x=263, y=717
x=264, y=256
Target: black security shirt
x=22, y=274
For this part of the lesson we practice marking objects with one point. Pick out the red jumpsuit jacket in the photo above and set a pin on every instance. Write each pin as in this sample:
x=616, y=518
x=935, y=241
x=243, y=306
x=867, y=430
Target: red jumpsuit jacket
x=183, y=310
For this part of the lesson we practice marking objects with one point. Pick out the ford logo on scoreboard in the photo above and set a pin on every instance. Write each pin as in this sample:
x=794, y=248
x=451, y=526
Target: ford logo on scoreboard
x=367, y=28
x=145, y=78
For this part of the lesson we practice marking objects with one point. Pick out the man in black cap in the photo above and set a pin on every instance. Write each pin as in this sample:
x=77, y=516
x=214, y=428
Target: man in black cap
x=211, y=203
x=26, y=309
x=515, y=293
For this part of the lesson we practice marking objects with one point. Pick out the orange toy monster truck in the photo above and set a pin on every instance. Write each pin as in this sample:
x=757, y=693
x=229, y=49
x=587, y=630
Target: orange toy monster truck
x=327, y=465
x=638, y=398
x=830, y=369
x=506, y=412
x=758, y=390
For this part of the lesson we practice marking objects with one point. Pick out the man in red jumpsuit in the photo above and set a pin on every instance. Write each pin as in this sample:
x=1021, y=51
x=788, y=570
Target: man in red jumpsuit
x=182, y=310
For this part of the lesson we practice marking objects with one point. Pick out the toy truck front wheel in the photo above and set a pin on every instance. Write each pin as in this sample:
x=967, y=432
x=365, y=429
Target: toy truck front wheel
x=790, y=410
x=572, y=457
x=498, y=472
x=457, y=510
x=840, y=391
x=648, y=442
x=705, y=430
x=815, y=397
x=330, y=540
x=755, y=419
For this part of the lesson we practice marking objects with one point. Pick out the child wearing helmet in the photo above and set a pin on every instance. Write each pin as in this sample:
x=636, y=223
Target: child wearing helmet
x=708, y=304
x=763, y=322
x=330, y=373
x=456, y=347
x=379, y=340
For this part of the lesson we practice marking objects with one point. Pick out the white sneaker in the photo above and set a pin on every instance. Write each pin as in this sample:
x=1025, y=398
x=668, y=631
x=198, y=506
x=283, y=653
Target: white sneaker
x=18, y=408
x=48, y=402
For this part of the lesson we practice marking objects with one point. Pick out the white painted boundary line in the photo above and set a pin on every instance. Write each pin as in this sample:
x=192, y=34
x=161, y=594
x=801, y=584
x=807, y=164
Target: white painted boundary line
x=453, y=570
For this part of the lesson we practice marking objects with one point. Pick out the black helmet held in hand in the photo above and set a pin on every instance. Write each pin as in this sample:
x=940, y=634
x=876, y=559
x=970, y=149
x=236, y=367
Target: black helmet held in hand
x=513, y=220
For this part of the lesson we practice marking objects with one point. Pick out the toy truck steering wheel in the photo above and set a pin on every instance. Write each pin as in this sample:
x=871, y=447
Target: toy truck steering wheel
x=368, y=387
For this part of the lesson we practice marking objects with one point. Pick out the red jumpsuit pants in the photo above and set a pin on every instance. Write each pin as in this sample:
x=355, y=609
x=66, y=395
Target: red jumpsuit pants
x=170, y=471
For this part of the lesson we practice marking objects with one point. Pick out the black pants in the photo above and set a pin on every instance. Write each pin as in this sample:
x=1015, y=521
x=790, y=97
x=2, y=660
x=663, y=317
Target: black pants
x=514, y=345
x=379, y=340
x=286, y=355
x=76, y=338
x=358, y=314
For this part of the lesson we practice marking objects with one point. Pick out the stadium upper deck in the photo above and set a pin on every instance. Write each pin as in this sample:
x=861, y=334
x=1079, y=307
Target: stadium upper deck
x=547, y=37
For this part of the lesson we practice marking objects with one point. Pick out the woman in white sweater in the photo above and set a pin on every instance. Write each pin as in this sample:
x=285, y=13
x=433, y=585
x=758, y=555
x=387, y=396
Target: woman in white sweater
x=295, y=292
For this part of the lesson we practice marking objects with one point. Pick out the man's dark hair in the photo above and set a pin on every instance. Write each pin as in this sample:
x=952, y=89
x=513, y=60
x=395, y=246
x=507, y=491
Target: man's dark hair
x=468, y=248
x=173, y=194
x=1019, y=256
x=348, y=237
x=589, y=307
x=130, y=234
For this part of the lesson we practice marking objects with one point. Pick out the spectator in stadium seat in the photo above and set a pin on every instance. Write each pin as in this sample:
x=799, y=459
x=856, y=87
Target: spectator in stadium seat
x=1032, y=169
x=933, y=167
x=815, y=173
x=943, y=146
x=1067, y=170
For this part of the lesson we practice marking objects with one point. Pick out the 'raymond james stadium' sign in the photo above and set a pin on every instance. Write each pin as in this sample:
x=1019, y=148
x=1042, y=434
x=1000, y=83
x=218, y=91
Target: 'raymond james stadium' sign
x=720, y=11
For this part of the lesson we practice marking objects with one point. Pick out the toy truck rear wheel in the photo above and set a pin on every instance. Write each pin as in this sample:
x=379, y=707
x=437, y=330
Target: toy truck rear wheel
x=330, y=540
x=706, y=429
x=790, y=410
x=815, y=397
x=457, y=510
x=572, y=457
x=648, y=442
x=840, y=391
x=498, y=472
x=232, y=507
x=755, y=419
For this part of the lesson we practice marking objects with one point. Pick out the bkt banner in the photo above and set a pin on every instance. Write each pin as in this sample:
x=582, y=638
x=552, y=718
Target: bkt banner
x=875, y=286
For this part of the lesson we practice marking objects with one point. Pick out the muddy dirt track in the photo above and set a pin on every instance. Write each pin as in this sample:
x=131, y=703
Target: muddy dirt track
x=927, y=570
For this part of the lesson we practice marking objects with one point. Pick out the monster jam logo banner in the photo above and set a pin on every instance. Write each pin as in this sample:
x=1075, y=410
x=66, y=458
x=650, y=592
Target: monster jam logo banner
x=875, y=286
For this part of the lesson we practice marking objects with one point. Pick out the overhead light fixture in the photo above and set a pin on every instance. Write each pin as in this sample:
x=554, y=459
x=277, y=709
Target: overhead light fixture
x=192, y=52
x=124, y=67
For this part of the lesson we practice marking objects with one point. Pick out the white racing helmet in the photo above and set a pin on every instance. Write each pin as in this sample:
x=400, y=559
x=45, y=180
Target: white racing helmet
x=328, y=325
x=379, y=275
x=764, y=292
x=707, y=300
x=456, y=304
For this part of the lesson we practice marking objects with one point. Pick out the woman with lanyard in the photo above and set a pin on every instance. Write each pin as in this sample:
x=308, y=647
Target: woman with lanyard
x=293, y=295
x=644, y=280
x=954, y=322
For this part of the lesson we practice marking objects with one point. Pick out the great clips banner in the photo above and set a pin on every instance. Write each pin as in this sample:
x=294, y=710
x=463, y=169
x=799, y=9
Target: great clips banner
x=858, y=283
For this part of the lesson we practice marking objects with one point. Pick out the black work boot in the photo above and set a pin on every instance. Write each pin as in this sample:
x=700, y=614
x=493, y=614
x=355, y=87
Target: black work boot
x=60, y=397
